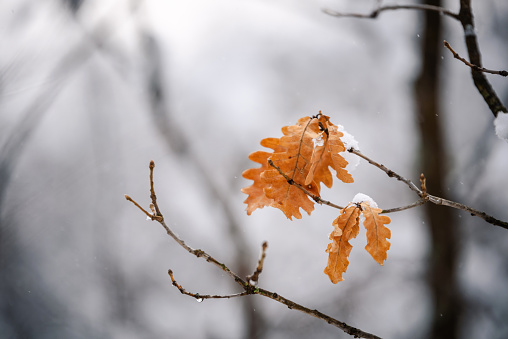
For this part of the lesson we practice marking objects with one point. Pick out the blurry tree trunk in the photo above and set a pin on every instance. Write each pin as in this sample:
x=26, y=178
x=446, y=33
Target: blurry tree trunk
x=176, y=141
x=433, y=158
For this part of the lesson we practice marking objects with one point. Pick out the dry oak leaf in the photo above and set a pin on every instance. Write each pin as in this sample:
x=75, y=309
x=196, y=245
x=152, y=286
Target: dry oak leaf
x=326, y=153
x=293, y=161
x=257, y=198
x=346, y=227
x=304, y=154
x=377, y=232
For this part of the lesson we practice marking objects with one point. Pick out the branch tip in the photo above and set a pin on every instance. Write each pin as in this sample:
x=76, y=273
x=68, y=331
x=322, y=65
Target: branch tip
x=471, y=65
x=423, y=186
x=254, y=277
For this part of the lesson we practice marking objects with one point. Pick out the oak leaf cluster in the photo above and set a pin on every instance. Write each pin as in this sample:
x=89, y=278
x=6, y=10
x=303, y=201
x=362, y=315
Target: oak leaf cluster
x=346, y=227
x=290, y=178
x=304, y=154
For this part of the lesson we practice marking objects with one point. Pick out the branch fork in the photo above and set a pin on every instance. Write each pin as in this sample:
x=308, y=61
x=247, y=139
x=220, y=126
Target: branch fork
x=249, y=284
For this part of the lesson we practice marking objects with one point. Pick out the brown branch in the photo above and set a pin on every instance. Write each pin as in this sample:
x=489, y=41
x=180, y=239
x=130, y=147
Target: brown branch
x=480, y=80
x=355, y=332
x=248, y=288
x=254, y=277
x=474, y=67
x=465, y=17
x=423, y=185
x=201, y=297
x=152, y=191
x=389, y=172
x=149, y=215
x=374, y=14
x=422, y=193
x=403, y=208
x=431, y=198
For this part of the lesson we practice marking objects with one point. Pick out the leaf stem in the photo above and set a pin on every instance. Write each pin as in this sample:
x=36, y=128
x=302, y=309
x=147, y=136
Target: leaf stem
x=314, y=197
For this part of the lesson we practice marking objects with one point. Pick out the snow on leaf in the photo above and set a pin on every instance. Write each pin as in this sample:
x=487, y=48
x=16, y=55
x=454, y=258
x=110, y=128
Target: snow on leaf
x=335, y=147
x=349, y=143
x=345, y=228
x=327, y=155
x=360, y=197
x=317, y=154
x=377, y=232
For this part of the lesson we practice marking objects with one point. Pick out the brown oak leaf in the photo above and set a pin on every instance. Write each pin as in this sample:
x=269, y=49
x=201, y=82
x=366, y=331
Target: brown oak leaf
x=257, y=198
x=326, y=153
x=377, y=232
x=293, y=162
x=346, y=227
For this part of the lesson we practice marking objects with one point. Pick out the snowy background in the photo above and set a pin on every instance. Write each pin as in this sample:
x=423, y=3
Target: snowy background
x=90, y=94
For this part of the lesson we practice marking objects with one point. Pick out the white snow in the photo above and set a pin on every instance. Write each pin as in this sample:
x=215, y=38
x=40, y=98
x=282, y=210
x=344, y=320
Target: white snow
x=319, y=141
x=360, y=197
x=349, y=142
x=501, y=125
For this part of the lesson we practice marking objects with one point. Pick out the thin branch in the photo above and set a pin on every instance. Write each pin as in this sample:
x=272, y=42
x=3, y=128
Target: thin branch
x=431, y=198
x=201, y=297
x=152, y=191
x=248, y=288
x=480, y=80
x=389, y=172
x=254, y=277
x=149, y=215
x=475, y=67
x=355, y=332
x=403, y=208
x=374, y=14
x=423, y=186
x=313, y=196
x=422, y=193
x=465, y=17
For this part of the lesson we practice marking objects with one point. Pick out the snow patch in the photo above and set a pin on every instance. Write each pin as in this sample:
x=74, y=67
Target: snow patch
x=360, y=197
x=349, y=142
x=347, y=139
x=318, y=141
x=501, y=125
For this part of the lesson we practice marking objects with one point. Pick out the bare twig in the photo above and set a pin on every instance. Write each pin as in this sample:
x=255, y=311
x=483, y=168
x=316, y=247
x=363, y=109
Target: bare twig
x=480, y=80
x=475, y=67
x=423, y=185
x=374, y=14
x=149, y=215
x=403, y=208
x=465, y=17
x=254, y=277
x=152, y=191
x=389, y=172
x=200, y=297
x=248, y=288
x=431, y=198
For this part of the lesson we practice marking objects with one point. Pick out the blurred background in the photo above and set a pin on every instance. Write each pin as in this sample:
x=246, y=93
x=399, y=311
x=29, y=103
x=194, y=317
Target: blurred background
x=91, y=91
